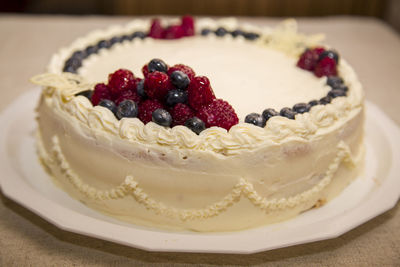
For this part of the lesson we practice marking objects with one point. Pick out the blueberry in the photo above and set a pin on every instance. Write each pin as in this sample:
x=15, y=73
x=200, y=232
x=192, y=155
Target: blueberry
x=251, y=36
x=74, y=62
x=103, y=44
x=341, y=87
x=138, y=34
x=91, y=50
x=127, y=109
x=108, y=104
x=125, y=38
x=325, y=100
x=336, y=92
x=334, y=81
x=174, y=97
x=313, y=103
x=87, y=93
x=301, y=108
x=205, y=32
x=237, y=33
x=195, y=124
x=180, y=79
x=256, y=119
x=288, y=113
x=221, y=31
x=69, y=68
x=268, y=113
x=162, y=117
x=79, y=55
x=329, y=53
x=157, y=65
x=140, y=89
x=115, y=39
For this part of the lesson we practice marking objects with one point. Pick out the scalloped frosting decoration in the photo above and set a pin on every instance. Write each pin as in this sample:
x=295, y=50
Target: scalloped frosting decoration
x=243, y=188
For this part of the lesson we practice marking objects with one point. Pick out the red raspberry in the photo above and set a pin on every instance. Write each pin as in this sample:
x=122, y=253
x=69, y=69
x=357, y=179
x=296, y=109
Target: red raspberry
x=146, y=109
x=218, y=113
x=326, y=67
x=145, y=71
x=101, y=91
x=157, y=84
x=174, y=32
x=185, y=69
x=188, y=25
x=200, y=92
x=308, y=60
x=121, y=80
x=180, y=114
x=156, y=30
x=130, y=94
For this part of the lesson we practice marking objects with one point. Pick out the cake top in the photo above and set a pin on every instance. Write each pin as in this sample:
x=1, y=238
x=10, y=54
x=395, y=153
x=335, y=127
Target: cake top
x=252, y=72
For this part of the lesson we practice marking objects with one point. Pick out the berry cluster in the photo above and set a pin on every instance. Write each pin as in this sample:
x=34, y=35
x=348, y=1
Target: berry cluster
x=168, y=96
x=320, y=61
x=185, y=28
x=221, y=31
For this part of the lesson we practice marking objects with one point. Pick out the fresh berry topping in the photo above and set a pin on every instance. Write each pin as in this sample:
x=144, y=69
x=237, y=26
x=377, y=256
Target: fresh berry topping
x=157, y=65
x=188, y=25
x=175, y=96
x=301, y=108
x=185, y=69
x=103, y=44
x=79, y=54
x=116, y=39
x=174, y=32
x=288, y=113
x=309, y=58
x=87, y=93
x=334, y=81
x=195, y=124
x=145, y=71
x=157, y=84
x=146, y=109
x=251, y=36
x=325, y=67
x=200, y=92
x=156, y=29
x=218, y=113
x=205, y=32
x=121, y=80
x=137, y=34
x=181, y=113
x=91, y=49
x=256, y=119
x=179, y=79
x=269, y=113
x=162, y=117
x=101, y=91
x=140, y=89
x=108, y=104
x=221, y=31
x=125, y=95
x=127, y=109
x=336, y=92
x=237, y=33
x=331, y=54
x=325, y=100
x=313, y=103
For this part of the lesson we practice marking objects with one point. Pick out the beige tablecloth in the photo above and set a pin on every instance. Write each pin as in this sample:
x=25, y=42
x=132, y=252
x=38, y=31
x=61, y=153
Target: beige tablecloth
x=26, y=44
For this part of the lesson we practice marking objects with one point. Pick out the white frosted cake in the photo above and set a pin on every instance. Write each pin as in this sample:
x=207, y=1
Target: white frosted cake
x=297, y=140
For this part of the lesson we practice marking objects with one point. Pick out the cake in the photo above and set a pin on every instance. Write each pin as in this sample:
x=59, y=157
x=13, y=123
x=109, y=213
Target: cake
x=288, y=136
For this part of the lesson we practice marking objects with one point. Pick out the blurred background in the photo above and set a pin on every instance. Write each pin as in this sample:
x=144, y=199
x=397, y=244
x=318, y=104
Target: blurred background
x=386, y=10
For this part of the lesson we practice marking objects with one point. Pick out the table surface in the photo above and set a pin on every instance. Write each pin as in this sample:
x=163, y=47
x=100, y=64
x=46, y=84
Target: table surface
x=27, y=42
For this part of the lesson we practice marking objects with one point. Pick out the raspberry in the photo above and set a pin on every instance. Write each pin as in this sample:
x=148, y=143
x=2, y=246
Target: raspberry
x=309, y=58
x=101, y=91
x=218, y=113
x=156, y=30
x=146, y=109
x=130, y=94
x=200, y=92
x=157, y=84
x=185, y=69
x=188, y=25
x=121, y=80
x=326, y=67
x=145, y=71
x=174, y=32
x=180, y=114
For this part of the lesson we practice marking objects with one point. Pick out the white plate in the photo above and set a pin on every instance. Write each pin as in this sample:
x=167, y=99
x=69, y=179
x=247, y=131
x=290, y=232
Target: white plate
x=24, y=181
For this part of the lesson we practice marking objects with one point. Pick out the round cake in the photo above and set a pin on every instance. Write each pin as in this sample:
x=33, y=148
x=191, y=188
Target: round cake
x=219, y=126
